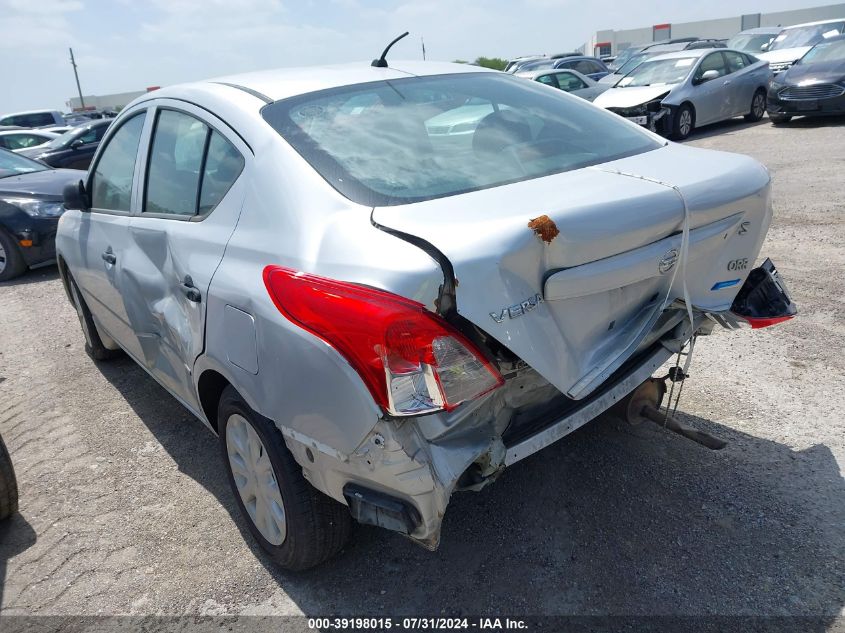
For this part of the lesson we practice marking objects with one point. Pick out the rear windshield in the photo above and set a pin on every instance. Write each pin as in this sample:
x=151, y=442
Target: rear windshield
x=394, y=142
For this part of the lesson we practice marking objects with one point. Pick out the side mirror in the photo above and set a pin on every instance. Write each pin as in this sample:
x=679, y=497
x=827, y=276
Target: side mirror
x=77, y=143
x=765, y=47
x=76, y=197
x=709, y=75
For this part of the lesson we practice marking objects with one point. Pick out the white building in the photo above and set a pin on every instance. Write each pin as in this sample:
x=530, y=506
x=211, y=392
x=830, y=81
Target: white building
x=106, y=102
x=611, y=42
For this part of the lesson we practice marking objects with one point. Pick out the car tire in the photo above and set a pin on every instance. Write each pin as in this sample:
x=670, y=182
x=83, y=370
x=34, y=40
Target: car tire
x=11, y=261
x=8, y=484
x=307, y=527
x=758, y=107
x=93, y=343
x=779, y=119
x=683, y=123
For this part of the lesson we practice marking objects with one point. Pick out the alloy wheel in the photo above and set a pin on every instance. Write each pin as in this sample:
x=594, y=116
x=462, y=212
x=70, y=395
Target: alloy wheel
x=759, y=106
x=2, y=259
x=685, y=124
x=255, y=479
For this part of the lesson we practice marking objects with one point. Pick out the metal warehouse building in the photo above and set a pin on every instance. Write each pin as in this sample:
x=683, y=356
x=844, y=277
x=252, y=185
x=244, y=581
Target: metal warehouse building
x=610, y=42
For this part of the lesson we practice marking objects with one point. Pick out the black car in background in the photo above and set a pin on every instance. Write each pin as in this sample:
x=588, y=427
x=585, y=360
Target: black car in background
x=31, y=202
x=813, y=86
x=74, y=149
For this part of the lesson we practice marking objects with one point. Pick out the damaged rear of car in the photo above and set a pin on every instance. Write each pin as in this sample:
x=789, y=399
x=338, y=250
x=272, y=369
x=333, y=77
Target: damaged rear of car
x=574, y=251
x=383, y=309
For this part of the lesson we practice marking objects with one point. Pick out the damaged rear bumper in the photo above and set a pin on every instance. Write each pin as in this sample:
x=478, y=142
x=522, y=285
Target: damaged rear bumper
x=402, y=476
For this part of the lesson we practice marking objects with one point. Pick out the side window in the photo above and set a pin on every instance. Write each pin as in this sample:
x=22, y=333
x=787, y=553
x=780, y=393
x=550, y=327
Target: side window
x=37, y=120
x=570, y=82
x=736, y=61
x=223, y=165
x=22, y=141
x=713, y=61
x=94, y=134
x=549, y=80
x=173, y=174
x=586, y=67
x=112, y=181
x=191, y=166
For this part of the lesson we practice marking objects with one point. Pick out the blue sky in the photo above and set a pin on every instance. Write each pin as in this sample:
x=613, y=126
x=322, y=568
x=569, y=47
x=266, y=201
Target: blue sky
x=124, y=45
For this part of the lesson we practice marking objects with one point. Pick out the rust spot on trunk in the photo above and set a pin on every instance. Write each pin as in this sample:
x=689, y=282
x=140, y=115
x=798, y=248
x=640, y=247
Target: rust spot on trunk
x=545, y=228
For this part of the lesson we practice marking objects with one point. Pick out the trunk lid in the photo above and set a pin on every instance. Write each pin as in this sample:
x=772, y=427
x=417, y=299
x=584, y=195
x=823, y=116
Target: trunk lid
x=575, y=293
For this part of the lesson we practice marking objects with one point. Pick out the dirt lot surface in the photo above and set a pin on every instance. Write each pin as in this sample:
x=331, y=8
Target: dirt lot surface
x=125, y=508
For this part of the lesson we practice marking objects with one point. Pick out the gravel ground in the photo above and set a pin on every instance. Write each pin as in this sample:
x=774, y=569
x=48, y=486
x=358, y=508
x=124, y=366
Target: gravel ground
x=125, y=508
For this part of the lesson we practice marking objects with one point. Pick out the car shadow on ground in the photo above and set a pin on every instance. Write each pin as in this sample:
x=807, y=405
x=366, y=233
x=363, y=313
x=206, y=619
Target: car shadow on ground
x=725, y=127
x=37, y=276
x=16, y=536
x=611, y=520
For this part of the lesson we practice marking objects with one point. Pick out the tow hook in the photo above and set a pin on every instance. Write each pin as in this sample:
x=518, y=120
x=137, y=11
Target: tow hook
x=644, y=404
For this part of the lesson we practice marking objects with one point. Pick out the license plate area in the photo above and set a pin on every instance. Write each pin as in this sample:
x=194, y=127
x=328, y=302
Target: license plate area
x=807, y=106
x=639, y=120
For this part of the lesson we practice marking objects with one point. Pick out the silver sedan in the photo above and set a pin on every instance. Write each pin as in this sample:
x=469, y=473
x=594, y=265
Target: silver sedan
x=568, y=80
x=282, y=252
x=677, y=92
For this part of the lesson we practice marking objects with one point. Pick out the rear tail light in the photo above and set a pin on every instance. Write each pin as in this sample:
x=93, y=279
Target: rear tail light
x=411, y=360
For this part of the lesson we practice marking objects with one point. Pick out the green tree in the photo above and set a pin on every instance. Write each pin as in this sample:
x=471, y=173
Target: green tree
x=495, y=63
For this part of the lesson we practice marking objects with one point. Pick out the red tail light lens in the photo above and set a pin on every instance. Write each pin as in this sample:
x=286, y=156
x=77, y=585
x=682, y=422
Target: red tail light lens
x=411, y=360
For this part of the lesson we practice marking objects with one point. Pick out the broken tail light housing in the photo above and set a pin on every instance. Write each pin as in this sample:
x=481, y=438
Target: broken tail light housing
x=412, y=361
x=763, y=299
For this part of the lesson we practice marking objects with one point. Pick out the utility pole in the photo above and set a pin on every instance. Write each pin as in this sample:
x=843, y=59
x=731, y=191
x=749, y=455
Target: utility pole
x=76, y=74
x=422, y=41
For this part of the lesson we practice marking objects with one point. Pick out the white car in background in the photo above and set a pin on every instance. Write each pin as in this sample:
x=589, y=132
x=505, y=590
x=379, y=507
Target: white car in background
x=793, y=42
x=568, y=80
x=17, y=140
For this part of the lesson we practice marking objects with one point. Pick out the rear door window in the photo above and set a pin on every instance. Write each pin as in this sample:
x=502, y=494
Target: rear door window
x=570, y=81
x=175, y=164
x=549, y=80
x=191, y=166
x=736, y=61
x=111, y=186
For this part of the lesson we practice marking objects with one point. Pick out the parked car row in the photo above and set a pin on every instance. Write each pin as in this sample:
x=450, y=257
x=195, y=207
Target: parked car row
x=674, y=87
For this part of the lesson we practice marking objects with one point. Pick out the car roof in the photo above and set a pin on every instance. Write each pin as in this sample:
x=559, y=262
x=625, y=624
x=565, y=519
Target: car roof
x=816, y=23
x=3, y=116
x=533, y=74
x=693, y=52
x=281, y=83
x=26, y=130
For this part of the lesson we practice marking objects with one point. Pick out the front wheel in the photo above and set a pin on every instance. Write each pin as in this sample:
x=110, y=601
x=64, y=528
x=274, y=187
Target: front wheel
x=779, y=119
x=683, y=122
x=8, y=484
x=298, y=526
x=758, y=107
x=11, y=261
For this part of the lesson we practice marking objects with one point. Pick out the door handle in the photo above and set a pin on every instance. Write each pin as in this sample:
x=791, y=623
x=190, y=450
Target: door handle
x=109, y=257
x=190, y=290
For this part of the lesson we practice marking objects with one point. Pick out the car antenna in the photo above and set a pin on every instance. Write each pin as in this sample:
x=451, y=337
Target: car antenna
x=381, y=62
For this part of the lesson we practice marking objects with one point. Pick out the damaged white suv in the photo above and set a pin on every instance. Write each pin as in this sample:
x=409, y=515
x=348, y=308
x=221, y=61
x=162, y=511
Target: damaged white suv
x=382, y=285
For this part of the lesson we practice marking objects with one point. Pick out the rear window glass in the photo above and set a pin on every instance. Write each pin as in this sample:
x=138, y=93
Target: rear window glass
x=400, y=141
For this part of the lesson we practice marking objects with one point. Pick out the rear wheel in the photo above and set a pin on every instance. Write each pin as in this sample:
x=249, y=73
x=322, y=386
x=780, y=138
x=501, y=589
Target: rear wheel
x=8, y=484
x=683, y=123
x=298, y=526
x=758, y=107
x=93, y=343
x=11, y=261
x=780, y=119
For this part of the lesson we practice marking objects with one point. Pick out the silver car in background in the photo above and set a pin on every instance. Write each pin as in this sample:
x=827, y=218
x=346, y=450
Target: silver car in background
x=373, y=312
x=677, y=92
x=568, y=80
